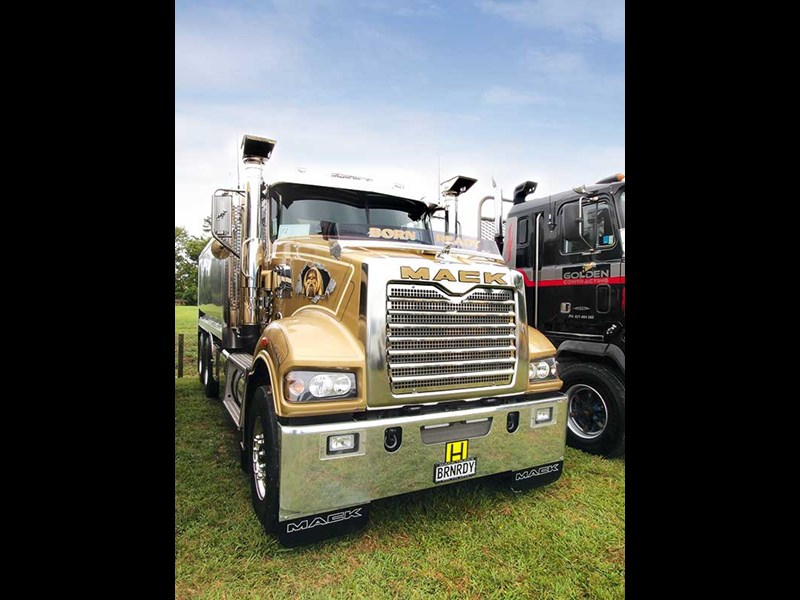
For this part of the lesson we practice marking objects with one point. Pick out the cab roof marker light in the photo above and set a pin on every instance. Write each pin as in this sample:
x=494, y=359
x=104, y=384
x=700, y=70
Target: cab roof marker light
x=613, y=178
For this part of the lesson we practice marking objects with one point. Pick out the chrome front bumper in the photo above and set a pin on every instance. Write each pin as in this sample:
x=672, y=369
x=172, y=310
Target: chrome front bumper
x=312, y=482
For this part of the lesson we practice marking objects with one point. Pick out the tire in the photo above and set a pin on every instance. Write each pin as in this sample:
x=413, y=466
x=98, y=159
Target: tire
x=264, y=454
x=200, y=364
x=206, y=367
x=595, y=409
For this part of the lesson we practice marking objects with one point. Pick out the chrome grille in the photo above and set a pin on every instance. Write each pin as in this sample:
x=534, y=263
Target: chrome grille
x=439, y=342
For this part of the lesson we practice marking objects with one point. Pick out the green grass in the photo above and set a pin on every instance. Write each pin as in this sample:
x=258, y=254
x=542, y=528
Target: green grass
x=186, y=323
x=474, y=539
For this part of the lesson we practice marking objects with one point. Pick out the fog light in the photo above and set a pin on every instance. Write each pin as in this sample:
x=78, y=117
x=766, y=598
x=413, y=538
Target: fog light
x=544, y=415
x=340, y=444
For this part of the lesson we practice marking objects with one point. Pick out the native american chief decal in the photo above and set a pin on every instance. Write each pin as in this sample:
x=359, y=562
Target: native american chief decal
x=315, y=283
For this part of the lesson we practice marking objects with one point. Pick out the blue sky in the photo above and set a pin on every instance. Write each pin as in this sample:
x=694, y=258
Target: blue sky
x=400, y=90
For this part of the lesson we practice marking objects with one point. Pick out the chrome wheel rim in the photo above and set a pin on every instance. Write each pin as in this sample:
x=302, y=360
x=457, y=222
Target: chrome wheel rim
x=259, y=460
x=588, y=412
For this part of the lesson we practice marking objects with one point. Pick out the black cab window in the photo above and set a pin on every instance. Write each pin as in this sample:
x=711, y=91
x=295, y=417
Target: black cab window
x=522, y=232
x=595, y=232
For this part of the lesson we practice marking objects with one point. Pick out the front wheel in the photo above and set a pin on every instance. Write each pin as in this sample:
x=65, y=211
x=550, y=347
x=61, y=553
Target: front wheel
x=264, y=454
x=595, y=409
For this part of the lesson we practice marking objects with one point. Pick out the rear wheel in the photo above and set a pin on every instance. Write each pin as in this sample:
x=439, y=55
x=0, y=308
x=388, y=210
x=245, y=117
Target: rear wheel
x=205, y=363
x=595, y=409
x=264, y=454
x=200, y=365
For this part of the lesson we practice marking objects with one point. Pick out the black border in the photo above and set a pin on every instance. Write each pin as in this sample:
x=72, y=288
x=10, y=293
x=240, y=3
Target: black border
x=683, y=470
x=106, y=95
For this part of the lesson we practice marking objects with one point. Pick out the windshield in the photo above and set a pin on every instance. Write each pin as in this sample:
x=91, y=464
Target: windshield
x=335, y=213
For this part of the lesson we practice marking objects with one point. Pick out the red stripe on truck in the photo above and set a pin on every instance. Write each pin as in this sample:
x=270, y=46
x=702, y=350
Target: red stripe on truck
x=566, y=282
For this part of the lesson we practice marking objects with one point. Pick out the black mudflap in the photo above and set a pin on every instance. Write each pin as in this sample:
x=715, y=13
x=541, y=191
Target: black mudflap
x=534, y=477
x=313, y=528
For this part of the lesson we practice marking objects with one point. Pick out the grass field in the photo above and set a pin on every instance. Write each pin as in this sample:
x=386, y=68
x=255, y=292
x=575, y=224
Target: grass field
x=186, y=323
x=474, y=539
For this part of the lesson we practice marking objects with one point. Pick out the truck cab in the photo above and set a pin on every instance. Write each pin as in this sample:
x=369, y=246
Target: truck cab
x=570, y=249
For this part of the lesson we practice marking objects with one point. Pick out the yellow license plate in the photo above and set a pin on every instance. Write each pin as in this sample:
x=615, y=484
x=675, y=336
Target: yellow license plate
x=456, y=463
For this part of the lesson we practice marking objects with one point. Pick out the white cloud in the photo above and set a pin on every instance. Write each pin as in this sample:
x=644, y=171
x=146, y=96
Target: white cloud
x=303, y=46
x=504, y=96
x=569, y=73
x=226, y=61
x=583, y=19
x=554, y=62
x=220, y=47
x=408, y=8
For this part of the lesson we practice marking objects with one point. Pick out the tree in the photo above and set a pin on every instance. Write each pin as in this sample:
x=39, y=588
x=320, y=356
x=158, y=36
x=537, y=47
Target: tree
x=187, y=252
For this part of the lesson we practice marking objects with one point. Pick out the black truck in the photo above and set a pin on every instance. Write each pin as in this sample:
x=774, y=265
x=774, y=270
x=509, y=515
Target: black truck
x=570, y=249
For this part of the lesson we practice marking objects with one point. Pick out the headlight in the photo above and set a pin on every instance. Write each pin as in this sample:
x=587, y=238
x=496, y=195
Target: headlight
x=316, y=386
x=545, y=368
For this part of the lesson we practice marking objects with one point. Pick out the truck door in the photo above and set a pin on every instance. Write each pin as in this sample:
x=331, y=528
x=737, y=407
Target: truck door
x=526, y=232
x=579, y=292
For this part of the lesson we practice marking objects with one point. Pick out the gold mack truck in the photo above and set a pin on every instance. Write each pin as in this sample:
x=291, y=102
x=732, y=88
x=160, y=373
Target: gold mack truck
x=363, y=355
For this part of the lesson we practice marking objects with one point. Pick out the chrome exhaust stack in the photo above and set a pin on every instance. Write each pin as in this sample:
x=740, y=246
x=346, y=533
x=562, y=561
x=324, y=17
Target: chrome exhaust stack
x=256, y=151
x=450, y=191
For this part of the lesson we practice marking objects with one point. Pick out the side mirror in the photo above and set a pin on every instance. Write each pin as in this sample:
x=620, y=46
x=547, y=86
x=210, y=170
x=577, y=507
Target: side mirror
x=572, y=220
x=221, y=207
x=222, y=223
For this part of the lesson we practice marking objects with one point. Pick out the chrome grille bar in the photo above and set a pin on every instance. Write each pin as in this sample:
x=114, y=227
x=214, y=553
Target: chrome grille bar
x=507, y=372
x=448, y=351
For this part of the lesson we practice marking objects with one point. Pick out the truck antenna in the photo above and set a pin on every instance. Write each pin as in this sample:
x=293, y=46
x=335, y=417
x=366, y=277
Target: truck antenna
x=438, y=173
x=236, y=158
